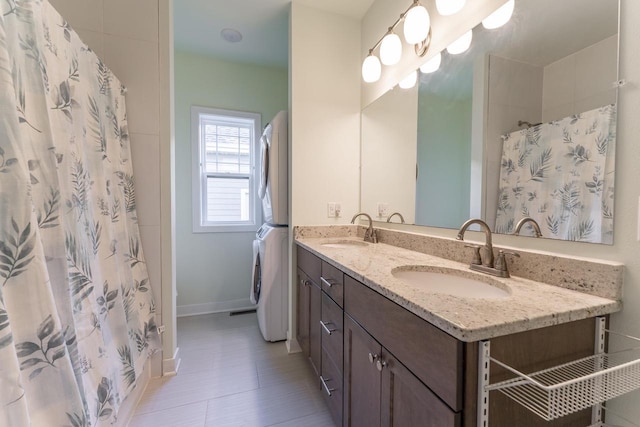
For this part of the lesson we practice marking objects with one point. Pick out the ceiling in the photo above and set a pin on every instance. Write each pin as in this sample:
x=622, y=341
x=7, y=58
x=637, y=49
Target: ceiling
x=264, y=25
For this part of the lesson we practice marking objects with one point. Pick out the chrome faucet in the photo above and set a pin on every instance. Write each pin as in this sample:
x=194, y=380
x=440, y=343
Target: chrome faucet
x=369, y=235
x=485, y=262
x=396, y=213
x=534, y=224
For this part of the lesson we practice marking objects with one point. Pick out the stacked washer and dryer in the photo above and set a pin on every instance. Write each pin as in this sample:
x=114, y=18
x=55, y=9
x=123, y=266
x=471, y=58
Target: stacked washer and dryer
x=269, y=289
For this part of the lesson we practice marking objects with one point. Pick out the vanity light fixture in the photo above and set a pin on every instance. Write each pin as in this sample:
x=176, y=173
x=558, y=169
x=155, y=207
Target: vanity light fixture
x=449, y=7
x=461, y=44
x=500, y=17
x=431, y=65
x=417, y=31
x=409, y=81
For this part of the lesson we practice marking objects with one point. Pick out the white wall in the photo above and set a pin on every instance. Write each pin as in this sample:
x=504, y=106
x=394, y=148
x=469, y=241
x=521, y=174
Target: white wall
x=214, y=269
x=388, y=127
x=581, y=81
x=324, y=106
x=325, y=115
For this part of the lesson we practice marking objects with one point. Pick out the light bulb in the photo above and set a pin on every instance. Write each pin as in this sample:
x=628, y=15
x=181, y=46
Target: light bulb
x=431, y=65
x=449, y=7
x=416, y=24
x=500, y=17
x=461, y=44
x=371, y=69
x=409, y=81
x=390, y=49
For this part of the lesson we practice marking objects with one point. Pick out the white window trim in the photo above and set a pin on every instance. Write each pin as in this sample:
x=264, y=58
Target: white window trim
x=198, y=177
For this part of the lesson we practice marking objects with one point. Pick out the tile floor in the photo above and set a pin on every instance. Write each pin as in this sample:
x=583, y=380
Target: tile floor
x=229, y=376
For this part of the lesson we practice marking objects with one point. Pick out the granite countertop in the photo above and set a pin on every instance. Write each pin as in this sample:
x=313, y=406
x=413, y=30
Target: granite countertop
x=528, y=305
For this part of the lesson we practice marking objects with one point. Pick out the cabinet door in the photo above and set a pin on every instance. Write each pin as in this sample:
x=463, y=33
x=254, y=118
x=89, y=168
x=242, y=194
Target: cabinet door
x=315, y=307
x=361, y=377
x=302, y=323
x=406, y=401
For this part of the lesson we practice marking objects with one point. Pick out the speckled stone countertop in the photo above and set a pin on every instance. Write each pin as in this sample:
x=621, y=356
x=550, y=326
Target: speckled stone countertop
x=528, y=305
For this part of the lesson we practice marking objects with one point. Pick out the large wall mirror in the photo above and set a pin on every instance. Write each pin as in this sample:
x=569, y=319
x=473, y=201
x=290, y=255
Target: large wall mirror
x=520, y=125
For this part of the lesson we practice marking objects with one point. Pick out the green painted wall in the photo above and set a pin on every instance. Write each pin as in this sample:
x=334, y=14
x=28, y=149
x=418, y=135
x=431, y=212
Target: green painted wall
x=444, y=161
x=213, y=270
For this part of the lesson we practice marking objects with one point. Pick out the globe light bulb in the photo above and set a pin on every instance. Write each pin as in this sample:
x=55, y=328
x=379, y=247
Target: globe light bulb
x=409, y=81
x=500, y=17
x=431, y=65
x=390, y=49
x=371, y=69
x=449, y=7
x=460, y=45
x=416, y=24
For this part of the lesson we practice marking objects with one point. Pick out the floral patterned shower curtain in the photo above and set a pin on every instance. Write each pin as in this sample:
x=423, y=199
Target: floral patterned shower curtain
x=77, y=318
x=561, y=174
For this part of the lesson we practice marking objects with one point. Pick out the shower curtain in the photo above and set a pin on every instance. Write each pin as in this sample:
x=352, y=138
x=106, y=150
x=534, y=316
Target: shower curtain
x=561, y=174
x=77, y=320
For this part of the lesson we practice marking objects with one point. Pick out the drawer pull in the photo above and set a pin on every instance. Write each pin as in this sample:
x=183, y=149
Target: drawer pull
x=380, y=364
x=327, y=330
x=328, y=282
x=372, y=357
x=324, y=384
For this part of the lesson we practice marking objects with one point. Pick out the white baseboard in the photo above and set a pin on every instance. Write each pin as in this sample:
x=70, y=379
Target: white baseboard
x=170, y=366
x=293, y=346
x=214, y=307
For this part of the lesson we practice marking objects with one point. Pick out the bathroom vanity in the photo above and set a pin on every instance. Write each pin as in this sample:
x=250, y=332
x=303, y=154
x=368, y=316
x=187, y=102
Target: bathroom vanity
x=388, y=353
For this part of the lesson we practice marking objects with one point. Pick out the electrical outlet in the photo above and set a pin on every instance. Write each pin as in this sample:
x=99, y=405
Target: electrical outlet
x=383, y=210
x=338, y=210
x=331, y=210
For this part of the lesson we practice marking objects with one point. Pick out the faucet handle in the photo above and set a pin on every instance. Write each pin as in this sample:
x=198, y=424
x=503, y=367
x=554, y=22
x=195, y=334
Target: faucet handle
x=476, y=254
x=501, y=263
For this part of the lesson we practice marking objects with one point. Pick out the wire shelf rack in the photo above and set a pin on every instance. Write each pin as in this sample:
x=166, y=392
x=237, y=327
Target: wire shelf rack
x=571, y=387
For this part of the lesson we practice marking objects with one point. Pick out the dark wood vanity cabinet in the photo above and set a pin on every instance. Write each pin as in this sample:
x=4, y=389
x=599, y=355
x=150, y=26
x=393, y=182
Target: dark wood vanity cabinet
x=309, y=303
x=381, y=391
x=381, y=365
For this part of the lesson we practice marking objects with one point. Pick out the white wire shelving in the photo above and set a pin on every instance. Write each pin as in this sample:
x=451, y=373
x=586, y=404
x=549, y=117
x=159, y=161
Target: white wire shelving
x=570, y=387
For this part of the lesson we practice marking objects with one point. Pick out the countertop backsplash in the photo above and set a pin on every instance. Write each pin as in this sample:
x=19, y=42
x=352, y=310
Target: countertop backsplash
x=594, y=277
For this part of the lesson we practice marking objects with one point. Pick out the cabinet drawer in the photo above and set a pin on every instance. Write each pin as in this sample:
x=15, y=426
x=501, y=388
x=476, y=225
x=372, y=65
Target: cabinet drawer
x=331, y=380
x=332, y=330
x=309, y=263
x=435, y=357
x=332, y=281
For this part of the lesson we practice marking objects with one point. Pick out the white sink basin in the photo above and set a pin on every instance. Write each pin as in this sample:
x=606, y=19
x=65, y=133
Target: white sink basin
x=450, y=282
x=345, y=244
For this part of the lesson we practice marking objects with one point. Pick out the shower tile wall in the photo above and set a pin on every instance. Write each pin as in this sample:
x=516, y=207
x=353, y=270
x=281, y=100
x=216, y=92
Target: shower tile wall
x=125, y=35
x=581, y=81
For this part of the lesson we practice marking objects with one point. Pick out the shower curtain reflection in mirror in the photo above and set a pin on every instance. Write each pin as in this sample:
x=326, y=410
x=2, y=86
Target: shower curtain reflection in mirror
x=77, y=319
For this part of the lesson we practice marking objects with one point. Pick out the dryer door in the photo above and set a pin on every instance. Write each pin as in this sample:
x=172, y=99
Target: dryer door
x=256, y=281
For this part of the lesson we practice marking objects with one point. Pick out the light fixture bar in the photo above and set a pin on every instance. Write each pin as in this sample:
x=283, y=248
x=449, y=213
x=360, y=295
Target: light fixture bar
x=393, y=27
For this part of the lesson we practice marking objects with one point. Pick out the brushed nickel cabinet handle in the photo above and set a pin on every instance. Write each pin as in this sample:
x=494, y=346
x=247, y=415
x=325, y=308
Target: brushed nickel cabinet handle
x=372, y=357
x=324, y=384
x=380, y=364
x=328, y=282
x=327, y=330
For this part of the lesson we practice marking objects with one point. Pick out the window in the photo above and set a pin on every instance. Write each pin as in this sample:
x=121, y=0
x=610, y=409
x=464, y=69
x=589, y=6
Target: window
x=224, y=148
